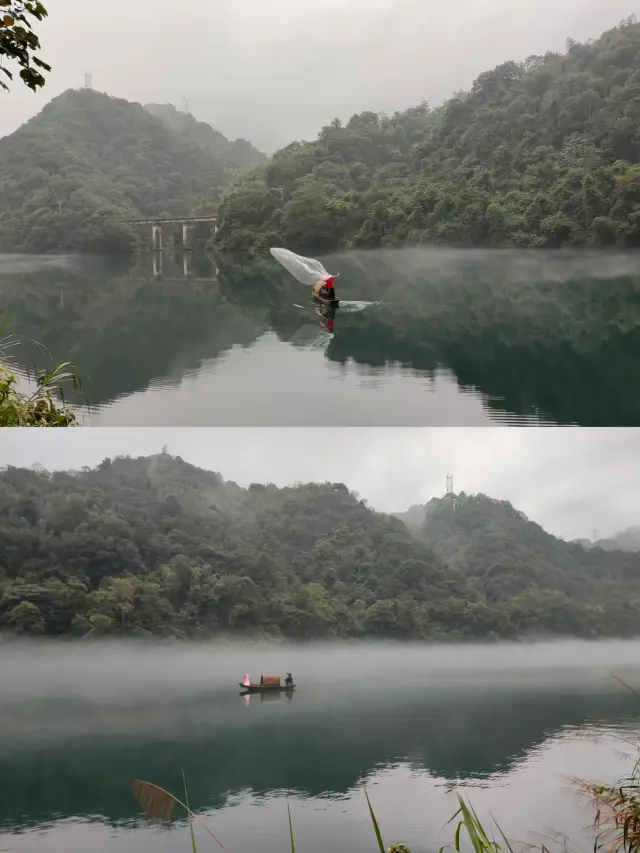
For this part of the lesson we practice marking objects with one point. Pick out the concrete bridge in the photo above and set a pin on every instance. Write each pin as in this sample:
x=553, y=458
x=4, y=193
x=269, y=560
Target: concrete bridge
x=187, y=222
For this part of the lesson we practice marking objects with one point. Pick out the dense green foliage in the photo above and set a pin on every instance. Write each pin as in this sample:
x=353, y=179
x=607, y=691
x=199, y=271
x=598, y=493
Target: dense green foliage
x=240, y=153
x=543, y=152
x=86, y=162
x=156, y=545
x=19, y=43
x=41, y=408
x=44, y=404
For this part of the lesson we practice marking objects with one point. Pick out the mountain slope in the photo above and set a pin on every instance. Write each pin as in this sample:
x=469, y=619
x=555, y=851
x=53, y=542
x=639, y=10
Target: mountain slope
x=239, y=154
x=509, y=559
x=155, y=545
x=543, y=152
x=87, y=161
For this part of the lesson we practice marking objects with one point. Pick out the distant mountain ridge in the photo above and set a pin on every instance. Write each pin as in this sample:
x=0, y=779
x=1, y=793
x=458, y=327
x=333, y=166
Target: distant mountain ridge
x=240, y=153
x=419, y=518
x=503, y=553
x=87, y=161
x=625, y=540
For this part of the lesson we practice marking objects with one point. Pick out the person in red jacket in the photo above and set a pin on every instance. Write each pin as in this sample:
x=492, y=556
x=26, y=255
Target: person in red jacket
x=325, y=288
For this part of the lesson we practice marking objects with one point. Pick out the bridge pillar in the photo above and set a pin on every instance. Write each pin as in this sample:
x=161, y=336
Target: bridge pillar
x=186, y=236
x=156, y=238
x=157, y=264
x=186, y=264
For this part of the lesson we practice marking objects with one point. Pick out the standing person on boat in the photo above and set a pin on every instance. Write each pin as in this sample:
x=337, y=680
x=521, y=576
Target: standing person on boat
x=288, y=680
x=246, y=681
x=324, y=288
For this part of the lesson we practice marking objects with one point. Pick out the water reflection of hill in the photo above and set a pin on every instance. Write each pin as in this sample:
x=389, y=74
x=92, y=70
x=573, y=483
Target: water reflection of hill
x=123, y=330
x=554, y=335
x=316, y=747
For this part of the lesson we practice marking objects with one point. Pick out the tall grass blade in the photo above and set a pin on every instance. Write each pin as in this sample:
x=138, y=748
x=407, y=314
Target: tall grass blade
x=194, y=848
x=293, y=844
x=375, y=823
x=504, y=837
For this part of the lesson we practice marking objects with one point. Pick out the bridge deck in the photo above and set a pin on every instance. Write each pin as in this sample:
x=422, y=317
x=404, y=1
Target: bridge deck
x=176, y=220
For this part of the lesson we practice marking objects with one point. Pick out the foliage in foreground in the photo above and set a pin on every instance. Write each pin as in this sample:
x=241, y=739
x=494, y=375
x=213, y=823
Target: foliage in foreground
x=19, y=43
x=540, y=153
x=45, y=406
x=158, y=546
x=158, y=803
x=617, y=820
x=42, y=408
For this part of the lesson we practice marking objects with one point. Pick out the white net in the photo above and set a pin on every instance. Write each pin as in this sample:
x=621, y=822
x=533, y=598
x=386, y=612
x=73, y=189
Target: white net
x=305, y=270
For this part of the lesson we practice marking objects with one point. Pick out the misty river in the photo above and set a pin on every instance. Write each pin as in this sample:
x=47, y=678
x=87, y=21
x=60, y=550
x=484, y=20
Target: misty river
x=505, y=725
x=422, y=337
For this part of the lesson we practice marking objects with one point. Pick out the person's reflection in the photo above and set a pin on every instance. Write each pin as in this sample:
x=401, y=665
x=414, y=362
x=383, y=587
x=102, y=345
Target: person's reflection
x=328, y=315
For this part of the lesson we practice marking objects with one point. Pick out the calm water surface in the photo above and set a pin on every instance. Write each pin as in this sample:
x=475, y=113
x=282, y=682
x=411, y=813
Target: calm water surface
x=79, y=724
x=423, y=337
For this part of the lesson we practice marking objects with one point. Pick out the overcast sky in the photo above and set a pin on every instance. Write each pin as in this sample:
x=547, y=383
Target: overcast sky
x=569, y=480
x=276, y=70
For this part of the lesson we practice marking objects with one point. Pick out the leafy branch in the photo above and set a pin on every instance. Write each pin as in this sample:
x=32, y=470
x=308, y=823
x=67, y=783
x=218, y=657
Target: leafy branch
x=19, y=43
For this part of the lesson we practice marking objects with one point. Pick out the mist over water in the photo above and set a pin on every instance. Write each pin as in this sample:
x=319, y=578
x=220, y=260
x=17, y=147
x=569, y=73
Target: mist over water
x=424, y=337
x=80, y=722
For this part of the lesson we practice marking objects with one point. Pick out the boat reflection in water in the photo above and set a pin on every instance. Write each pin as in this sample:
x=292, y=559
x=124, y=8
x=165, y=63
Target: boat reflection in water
x=270, y=697
x=327, y=313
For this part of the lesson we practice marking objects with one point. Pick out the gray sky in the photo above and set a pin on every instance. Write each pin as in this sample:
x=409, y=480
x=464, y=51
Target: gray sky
x=569, y=480
x=278, y=70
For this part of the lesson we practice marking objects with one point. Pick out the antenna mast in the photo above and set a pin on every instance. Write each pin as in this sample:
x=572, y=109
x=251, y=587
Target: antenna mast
x=88, y=80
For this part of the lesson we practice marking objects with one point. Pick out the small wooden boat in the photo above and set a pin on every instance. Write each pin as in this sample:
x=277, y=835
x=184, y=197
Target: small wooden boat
x=323, y=301
x=268, y=683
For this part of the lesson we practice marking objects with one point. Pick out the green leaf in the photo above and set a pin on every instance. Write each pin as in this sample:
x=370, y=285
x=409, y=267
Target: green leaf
x=293, y=846
x=375, y=823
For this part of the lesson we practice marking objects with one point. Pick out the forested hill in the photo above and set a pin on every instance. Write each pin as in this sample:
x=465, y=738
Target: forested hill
x=87, y=161
x=504, y=555
x=158, y=546
x=240, y=153
x=543, y=152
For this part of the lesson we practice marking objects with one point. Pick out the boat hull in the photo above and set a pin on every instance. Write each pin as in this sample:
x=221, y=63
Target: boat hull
x=323, y=301
x=259, y=688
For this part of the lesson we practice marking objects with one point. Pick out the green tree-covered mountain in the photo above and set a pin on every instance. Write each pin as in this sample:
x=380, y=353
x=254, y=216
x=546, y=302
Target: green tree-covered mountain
x=508, y=558
x=155, y=545
x=240, y=153
x=85, y=162
x=543, y=152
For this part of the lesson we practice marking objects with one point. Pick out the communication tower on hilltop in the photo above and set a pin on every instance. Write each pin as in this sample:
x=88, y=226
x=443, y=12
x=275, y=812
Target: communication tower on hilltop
x=449, y=484
x=88, y=80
